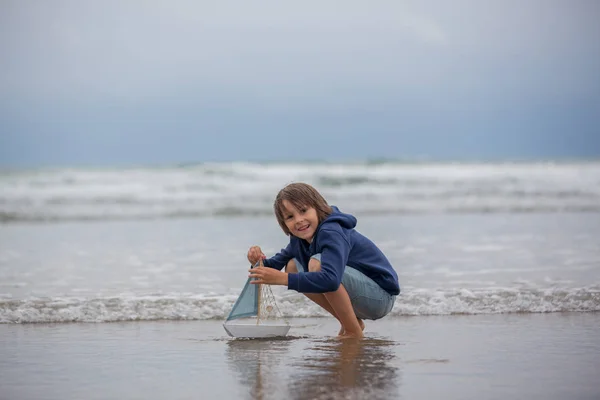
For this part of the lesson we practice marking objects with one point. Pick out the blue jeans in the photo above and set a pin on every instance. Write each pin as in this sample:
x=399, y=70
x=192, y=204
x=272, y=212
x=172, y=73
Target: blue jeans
x=368, y=299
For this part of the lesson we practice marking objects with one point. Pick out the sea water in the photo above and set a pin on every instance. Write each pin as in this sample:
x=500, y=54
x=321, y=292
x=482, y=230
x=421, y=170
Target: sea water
x=170, y=243
x=365, y=188
x=114, y=283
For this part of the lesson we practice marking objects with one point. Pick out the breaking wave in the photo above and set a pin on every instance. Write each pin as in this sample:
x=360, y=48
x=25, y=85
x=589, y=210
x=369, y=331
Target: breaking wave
x=200, y=307
x=248, y=189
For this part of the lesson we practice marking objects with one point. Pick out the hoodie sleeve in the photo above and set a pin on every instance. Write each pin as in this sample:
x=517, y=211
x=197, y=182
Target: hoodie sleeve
x=334, y=250
x=279, y=260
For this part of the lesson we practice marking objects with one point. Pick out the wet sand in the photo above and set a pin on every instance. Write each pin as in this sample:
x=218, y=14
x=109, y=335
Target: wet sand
x=496, y=356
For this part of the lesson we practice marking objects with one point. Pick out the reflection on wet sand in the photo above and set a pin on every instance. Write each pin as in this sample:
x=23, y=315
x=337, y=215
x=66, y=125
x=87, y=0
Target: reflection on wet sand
x=300, y=368
x=256, y=363
x=345, y=369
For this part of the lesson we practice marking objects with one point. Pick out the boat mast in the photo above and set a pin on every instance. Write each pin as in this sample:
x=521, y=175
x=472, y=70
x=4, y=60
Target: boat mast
x=259, y=303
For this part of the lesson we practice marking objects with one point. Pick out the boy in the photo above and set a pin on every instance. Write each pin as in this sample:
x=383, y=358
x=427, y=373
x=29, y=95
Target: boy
x=328, y=260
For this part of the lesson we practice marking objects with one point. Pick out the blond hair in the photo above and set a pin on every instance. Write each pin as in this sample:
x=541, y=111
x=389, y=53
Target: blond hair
x=300, y=195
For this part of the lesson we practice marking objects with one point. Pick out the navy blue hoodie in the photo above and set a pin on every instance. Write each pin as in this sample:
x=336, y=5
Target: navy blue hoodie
x=340, y=245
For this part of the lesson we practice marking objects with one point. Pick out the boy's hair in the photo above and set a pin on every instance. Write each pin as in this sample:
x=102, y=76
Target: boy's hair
x=300, y=195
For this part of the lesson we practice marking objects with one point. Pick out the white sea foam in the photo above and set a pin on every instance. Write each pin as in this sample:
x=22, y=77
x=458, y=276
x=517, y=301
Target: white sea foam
x=376, y=188
x=129, y=307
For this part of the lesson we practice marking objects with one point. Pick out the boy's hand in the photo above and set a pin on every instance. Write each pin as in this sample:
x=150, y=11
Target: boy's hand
x=255, y=254
x=268, y=276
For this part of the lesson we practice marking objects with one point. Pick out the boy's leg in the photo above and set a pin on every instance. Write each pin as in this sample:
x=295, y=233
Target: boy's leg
x=341, y=306
x=318, y=298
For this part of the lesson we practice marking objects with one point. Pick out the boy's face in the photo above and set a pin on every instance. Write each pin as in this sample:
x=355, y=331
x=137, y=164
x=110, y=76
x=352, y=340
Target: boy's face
x=302, y=222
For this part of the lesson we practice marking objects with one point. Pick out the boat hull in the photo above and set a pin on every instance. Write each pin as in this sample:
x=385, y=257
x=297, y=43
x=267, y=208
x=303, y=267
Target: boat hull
x=256, y=331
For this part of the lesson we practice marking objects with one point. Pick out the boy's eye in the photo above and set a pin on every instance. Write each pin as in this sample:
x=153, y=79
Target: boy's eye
x=303, y=210
x=288, y=217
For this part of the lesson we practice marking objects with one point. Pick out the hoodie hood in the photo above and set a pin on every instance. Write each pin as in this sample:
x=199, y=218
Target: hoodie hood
x=345, y=220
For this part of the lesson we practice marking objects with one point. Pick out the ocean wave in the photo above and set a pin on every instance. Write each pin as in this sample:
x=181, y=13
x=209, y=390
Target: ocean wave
x=197, y=307
x=230, y=212
x=248, y=189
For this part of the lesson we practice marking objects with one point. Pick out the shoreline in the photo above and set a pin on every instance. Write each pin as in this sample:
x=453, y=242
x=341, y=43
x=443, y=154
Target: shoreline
x=325, y=317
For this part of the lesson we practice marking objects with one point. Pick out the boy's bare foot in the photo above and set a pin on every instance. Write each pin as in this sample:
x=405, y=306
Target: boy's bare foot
x=348, y=335
x=342, y=332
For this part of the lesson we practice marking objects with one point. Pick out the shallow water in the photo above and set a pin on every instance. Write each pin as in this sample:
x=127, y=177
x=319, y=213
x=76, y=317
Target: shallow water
x=533, y=356
x=194, y=269
x=493, y=306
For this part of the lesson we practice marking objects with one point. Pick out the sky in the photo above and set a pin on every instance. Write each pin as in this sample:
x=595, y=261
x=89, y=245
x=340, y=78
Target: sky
x=162, y=82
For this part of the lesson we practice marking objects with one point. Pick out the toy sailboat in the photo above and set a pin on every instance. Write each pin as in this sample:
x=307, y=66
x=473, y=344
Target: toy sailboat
x=255, y=314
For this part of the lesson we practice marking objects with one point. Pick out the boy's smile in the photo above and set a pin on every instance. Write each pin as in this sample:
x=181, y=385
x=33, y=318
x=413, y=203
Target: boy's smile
x=302, y=222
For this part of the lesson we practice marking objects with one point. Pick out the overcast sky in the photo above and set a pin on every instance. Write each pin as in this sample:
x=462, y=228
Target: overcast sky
x=154, y=82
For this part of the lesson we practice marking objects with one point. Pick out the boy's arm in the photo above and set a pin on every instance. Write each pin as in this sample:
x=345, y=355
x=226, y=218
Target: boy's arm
x=279, y=260
x=334, y=256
